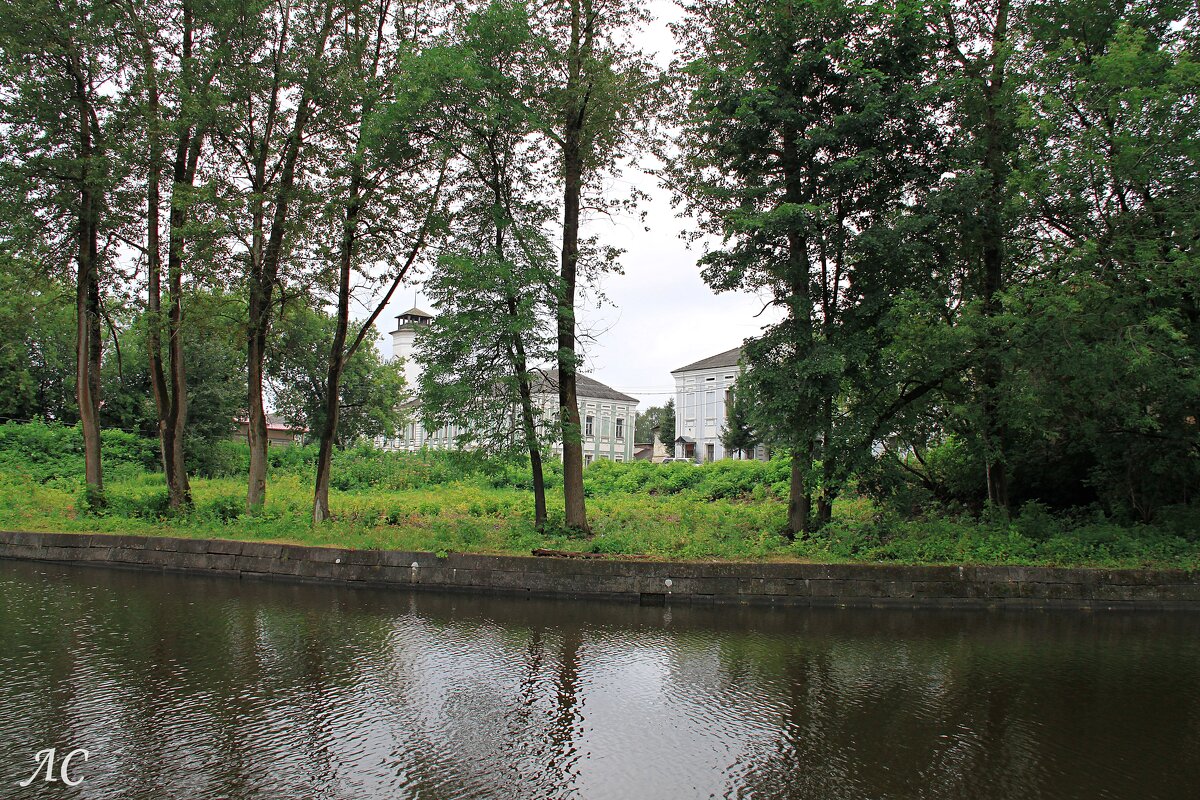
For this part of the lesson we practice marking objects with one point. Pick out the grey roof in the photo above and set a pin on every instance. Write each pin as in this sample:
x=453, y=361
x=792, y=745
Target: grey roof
x=412, y=312
x=584, y=387
x=729, y=358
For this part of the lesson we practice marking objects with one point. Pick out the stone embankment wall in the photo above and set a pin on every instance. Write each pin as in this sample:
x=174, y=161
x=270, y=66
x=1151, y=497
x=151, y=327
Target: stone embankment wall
x=636, y=580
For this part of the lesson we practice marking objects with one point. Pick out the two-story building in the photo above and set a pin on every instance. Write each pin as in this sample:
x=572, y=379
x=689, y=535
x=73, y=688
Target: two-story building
x=703, y=392
x=606, y=415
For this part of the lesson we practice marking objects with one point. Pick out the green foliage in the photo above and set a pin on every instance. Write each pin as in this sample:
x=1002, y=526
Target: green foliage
x=738, y=434
x=49, y=451
x=37, y=335
x=448, y=502
x=297, y=366
x=661, y=416
x=799, y=160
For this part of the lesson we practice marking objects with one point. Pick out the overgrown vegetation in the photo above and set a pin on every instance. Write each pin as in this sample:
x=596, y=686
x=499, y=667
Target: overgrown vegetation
x=463, y=502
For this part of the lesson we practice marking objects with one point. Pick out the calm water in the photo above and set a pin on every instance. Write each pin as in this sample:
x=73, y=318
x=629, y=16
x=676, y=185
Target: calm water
x=210, y=688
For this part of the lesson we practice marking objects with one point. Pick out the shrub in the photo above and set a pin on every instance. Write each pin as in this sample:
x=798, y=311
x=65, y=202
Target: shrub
x=223, y=508
x=48, y=451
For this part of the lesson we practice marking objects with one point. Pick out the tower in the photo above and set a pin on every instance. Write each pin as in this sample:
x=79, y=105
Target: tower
x=404, y=340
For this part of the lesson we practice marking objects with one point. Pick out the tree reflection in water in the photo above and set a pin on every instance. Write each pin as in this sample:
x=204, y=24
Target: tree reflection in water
x=210, y=688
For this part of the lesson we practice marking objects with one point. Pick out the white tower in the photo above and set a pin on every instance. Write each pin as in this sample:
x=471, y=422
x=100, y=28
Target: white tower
x=404, y=340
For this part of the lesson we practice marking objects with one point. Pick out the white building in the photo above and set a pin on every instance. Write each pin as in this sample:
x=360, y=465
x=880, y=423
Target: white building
x=703, y=391
x=606, y=415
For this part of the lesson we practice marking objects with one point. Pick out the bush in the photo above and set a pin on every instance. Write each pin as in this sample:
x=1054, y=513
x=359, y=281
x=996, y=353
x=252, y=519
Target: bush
x=223, y=508
x=48, y=451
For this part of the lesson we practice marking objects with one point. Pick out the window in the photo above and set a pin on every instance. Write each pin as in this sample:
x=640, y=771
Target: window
x=587, y=459
x=713, y=378
x=709, y=452
x=588, y=424
x=620, y=428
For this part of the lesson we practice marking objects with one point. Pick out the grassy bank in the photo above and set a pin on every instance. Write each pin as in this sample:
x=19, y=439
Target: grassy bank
x=444, y=502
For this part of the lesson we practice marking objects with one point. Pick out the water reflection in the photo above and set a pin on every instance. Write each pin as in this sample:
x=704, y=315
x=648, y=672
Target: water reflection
x=209, y=688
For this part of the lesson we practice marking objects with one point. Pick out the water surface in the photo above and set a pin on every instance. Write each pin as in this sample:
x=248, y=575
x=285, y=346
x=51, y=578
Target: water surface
x=192, y=688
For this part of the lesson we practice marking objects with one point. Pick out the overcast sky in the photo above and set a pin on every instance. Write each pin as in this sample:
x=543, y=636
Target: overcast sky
x=659, y=314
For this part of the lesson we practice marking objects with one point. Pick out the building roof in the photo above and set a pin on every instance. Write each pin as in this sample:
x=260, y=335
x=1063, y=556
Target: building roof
x=276, y=422
x=412, y=312
x=729, y=358
x=584, y=387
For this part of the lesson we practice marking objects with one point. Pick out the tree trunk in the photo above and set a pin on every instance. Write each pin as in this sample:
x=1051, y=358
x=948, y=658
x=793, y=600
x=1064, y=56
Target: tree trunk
x=799, y=495
x=170, y=395
x=87, y=296
x=529, y=424
x=337, y=355
x=333, y=383
x=800, y=320
x=262, y=284
x=828, y=467
x=996, y=151
x=568, y=401
x=256, y=428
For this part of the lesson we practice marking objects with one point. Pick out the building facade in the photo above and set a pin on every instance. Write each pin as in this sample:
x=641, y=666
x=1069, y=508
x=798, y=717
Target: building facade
x=703, y=392
x=606, y=415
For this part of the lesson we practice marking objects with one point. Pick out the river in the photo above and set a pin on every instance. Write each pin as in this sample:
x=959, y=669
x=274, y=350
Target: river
x=194, y=688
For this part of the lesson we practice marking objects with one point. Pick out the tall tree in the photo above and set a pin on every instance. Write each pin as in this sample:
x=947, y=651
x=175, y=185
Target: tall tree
x=382, y=200
x=594, y=102
x=800, y=125
x=276, y=84
x=980, y=43
x=59, y=65
x=180, y=54
x=494, y=287
x=1103, y=312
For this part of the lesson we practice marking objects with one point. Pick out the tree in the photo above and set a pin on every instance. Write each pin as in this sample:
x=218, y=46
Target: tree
x=36, y=331
x=276, y=82
x=738, y=434
x=980, y=43
x=594, y=101
x=661, y=417
x=59, y=126
x=369, y=394
x=1102, y=316
x=381, y=200
x=495, y=285
x=802, y=128
x=180, y=53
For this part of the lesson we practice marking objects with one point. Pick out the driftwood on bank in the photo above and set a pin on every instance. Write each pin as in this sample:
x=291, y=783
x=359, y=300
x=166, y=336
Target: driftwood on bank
x=544, y=553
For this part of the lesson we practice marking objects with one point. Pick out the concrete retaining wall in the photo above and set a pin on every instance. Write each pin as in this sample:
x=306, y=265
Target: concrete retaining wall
x=636, y=580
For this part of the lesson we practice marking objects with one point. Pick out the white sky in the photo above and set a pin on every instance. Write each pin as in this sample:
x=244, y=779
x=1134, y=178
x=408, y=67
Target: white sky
x=660, y=314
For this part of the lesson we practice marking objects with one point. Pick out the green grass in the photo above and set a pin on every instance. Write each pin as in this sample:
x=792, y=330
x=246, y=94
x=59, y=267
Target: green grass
x=444, y=503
